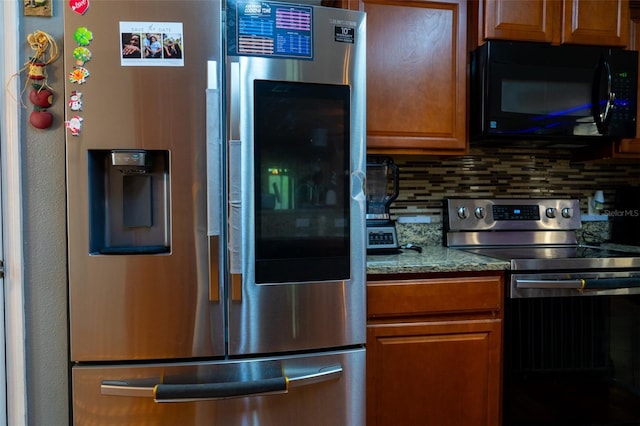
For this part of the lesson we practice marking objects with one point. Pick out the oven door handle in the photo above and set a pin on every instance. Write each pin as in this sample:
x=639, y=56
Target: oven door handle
x=549, y=284
x=580, y=284
x=179, y=392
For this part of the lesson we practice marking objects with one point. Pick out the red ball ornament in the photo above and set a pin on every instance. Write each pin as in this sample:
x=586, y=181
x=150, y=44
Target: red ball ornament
x=41, y=119
x=41, y=97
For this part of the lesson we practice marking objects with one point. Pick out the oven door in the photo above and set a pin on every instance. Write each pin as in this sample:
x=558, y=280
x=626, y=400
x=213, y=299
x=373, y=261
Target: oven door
x=572, y=354
x=559, y=284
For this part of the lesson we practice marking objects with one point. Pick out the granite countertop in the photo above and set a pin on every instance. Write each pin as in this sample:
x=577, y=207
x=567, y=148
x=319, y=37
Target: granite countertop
x=432, y=259
x=437, y=258
x=443, y=259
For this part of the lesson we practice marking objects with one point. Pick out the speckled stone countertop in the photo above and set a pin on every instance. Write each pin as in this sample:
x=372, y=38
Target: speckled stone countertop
x=432, y=259
x=437, y=258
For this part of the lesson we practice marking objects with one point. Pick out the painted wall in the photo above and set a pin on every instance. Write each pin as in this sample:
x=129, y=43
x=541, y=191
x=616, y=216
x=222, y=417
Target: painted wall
x=45, y=252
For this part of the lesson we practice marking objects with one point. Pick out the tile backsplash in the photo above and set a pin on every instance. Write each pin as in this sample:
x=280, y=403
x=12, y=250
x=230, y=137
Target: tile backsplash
x=502, y=172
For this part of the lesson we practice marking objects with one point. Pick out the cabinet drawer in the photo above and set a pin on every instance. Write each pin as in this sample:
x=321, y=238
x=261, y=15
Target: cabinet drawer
x=434, y=296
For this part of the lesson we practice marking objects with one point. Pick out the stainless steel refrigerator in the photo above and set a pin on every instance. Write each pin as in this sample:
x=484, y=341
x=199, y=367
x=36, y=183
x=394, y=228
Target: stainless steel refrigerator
x=215, y=177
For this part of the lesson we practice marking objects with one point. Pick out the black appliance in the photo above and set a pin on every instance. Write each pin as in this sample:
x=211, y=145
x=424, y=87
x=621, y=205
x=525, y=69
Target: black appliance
x=565, y=95
x=571, y=312
x=625, y=216
x=382, y=189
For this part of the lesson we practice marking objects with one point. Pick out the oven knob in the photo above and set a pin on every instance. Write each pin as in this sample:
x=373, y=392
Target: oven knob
x=550, y=212
x=566, y=212
x=479, y=212
x=463, y=213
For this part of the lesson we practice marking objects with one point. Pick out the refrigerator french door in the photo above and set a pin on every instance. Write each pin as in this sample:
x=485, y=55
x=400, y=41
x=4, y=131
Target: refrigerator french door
x=216, y=213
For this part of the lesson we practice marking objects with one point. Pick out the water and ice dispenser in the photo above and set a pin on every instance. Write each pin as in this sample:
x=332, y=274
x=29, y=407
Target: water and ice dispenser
x=129, y=205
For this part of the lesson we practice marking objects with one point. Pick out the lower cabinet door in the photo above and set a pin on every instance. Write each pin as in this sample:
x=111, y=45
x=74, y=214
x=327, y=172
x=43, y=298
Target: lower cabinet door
x=434, y=373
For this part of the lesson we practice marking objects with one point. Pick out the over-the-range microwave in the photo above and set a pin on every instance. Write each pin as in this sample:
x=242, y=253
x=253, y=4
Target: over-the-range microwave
x=567, y=94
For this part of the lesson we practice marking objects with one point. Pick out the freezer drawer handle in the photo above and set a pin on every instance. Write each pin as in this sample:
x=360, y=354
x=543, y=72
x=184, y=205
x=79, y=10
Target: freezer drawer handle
x=207, y=391
x=193, y=392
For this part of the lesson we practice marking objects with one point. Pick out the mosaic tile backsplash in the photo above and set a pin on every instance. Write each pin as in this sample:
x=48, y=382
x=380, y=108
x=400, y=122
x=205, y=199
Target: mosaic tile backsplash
x=506, y=173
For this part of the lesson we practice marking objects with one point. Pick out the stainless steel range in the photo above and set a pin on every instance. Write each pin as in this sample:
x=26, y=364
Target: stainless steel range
x=572, y=312
x=538, y=237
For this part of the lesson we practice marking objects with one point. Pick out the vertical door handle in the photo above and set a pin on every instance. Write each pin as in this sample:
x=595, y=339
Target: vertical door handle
x=214, y=179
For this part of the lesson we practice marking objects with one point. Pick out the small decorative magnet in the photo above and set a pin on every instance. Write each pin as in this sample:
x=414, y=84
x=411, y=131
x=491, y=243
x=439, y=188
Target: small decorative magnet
x=83, y=36
x=81, y=54
x=74, y=125
x=75, y=101
x=79, y=6
x=78, y=75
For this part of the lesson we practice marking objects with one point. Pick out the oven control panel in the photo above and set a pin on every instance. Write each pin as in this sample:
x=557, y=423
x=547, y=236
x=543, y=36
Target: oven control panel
x=496, y=214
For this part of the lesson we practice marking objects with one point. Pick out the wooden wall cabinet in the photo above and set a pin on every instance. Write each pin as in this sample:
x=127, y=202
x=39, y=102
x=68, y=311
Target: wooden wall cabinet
x=434, y=351
x=416, y=76
x=591, y=22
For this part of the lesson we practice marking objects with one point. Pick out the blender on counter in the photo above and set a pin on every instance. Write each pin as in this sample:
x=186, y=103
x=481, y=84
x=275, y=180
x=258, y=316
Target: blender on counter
x=382, y=189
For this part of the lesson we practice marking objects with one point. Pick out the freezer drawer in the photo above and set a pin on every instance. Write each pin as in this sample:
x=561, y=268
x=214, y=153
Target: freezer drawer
x=312, y=389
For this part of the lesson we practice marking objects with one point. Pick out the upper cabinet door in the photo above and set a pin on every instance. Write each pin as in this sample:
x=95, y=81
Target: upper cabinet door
x=416, y=76
x=591, y=22
x=604, y=22
x=524, y=20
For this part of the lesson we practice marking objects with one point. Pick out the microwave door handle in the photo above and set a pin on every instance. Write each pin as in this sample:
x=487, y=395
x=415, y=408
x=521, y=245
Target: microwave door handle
x=161, y=392
x=602, y=117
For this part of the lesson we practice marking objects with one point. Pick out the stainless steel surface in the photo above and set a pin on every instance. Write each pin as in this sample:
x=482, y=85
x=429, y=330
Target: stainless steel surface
x=509, y=238
x=469, y=214
x=125, y=307
x=300, y=316
x=566, y=257
x=344, y=385
x=164, y=305
x=541, y=245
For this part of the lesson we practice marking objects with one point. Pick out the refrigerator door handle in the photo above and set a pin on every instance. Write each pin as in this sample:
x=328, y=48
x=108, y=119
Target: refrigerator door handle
x=234, y=242
x=163, y=392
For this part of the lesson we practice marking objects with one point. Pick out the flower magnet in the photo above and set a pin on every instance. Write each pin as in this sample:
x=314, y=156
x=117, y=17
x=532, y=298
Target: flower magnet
x=78, y=75
x=81, y=54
